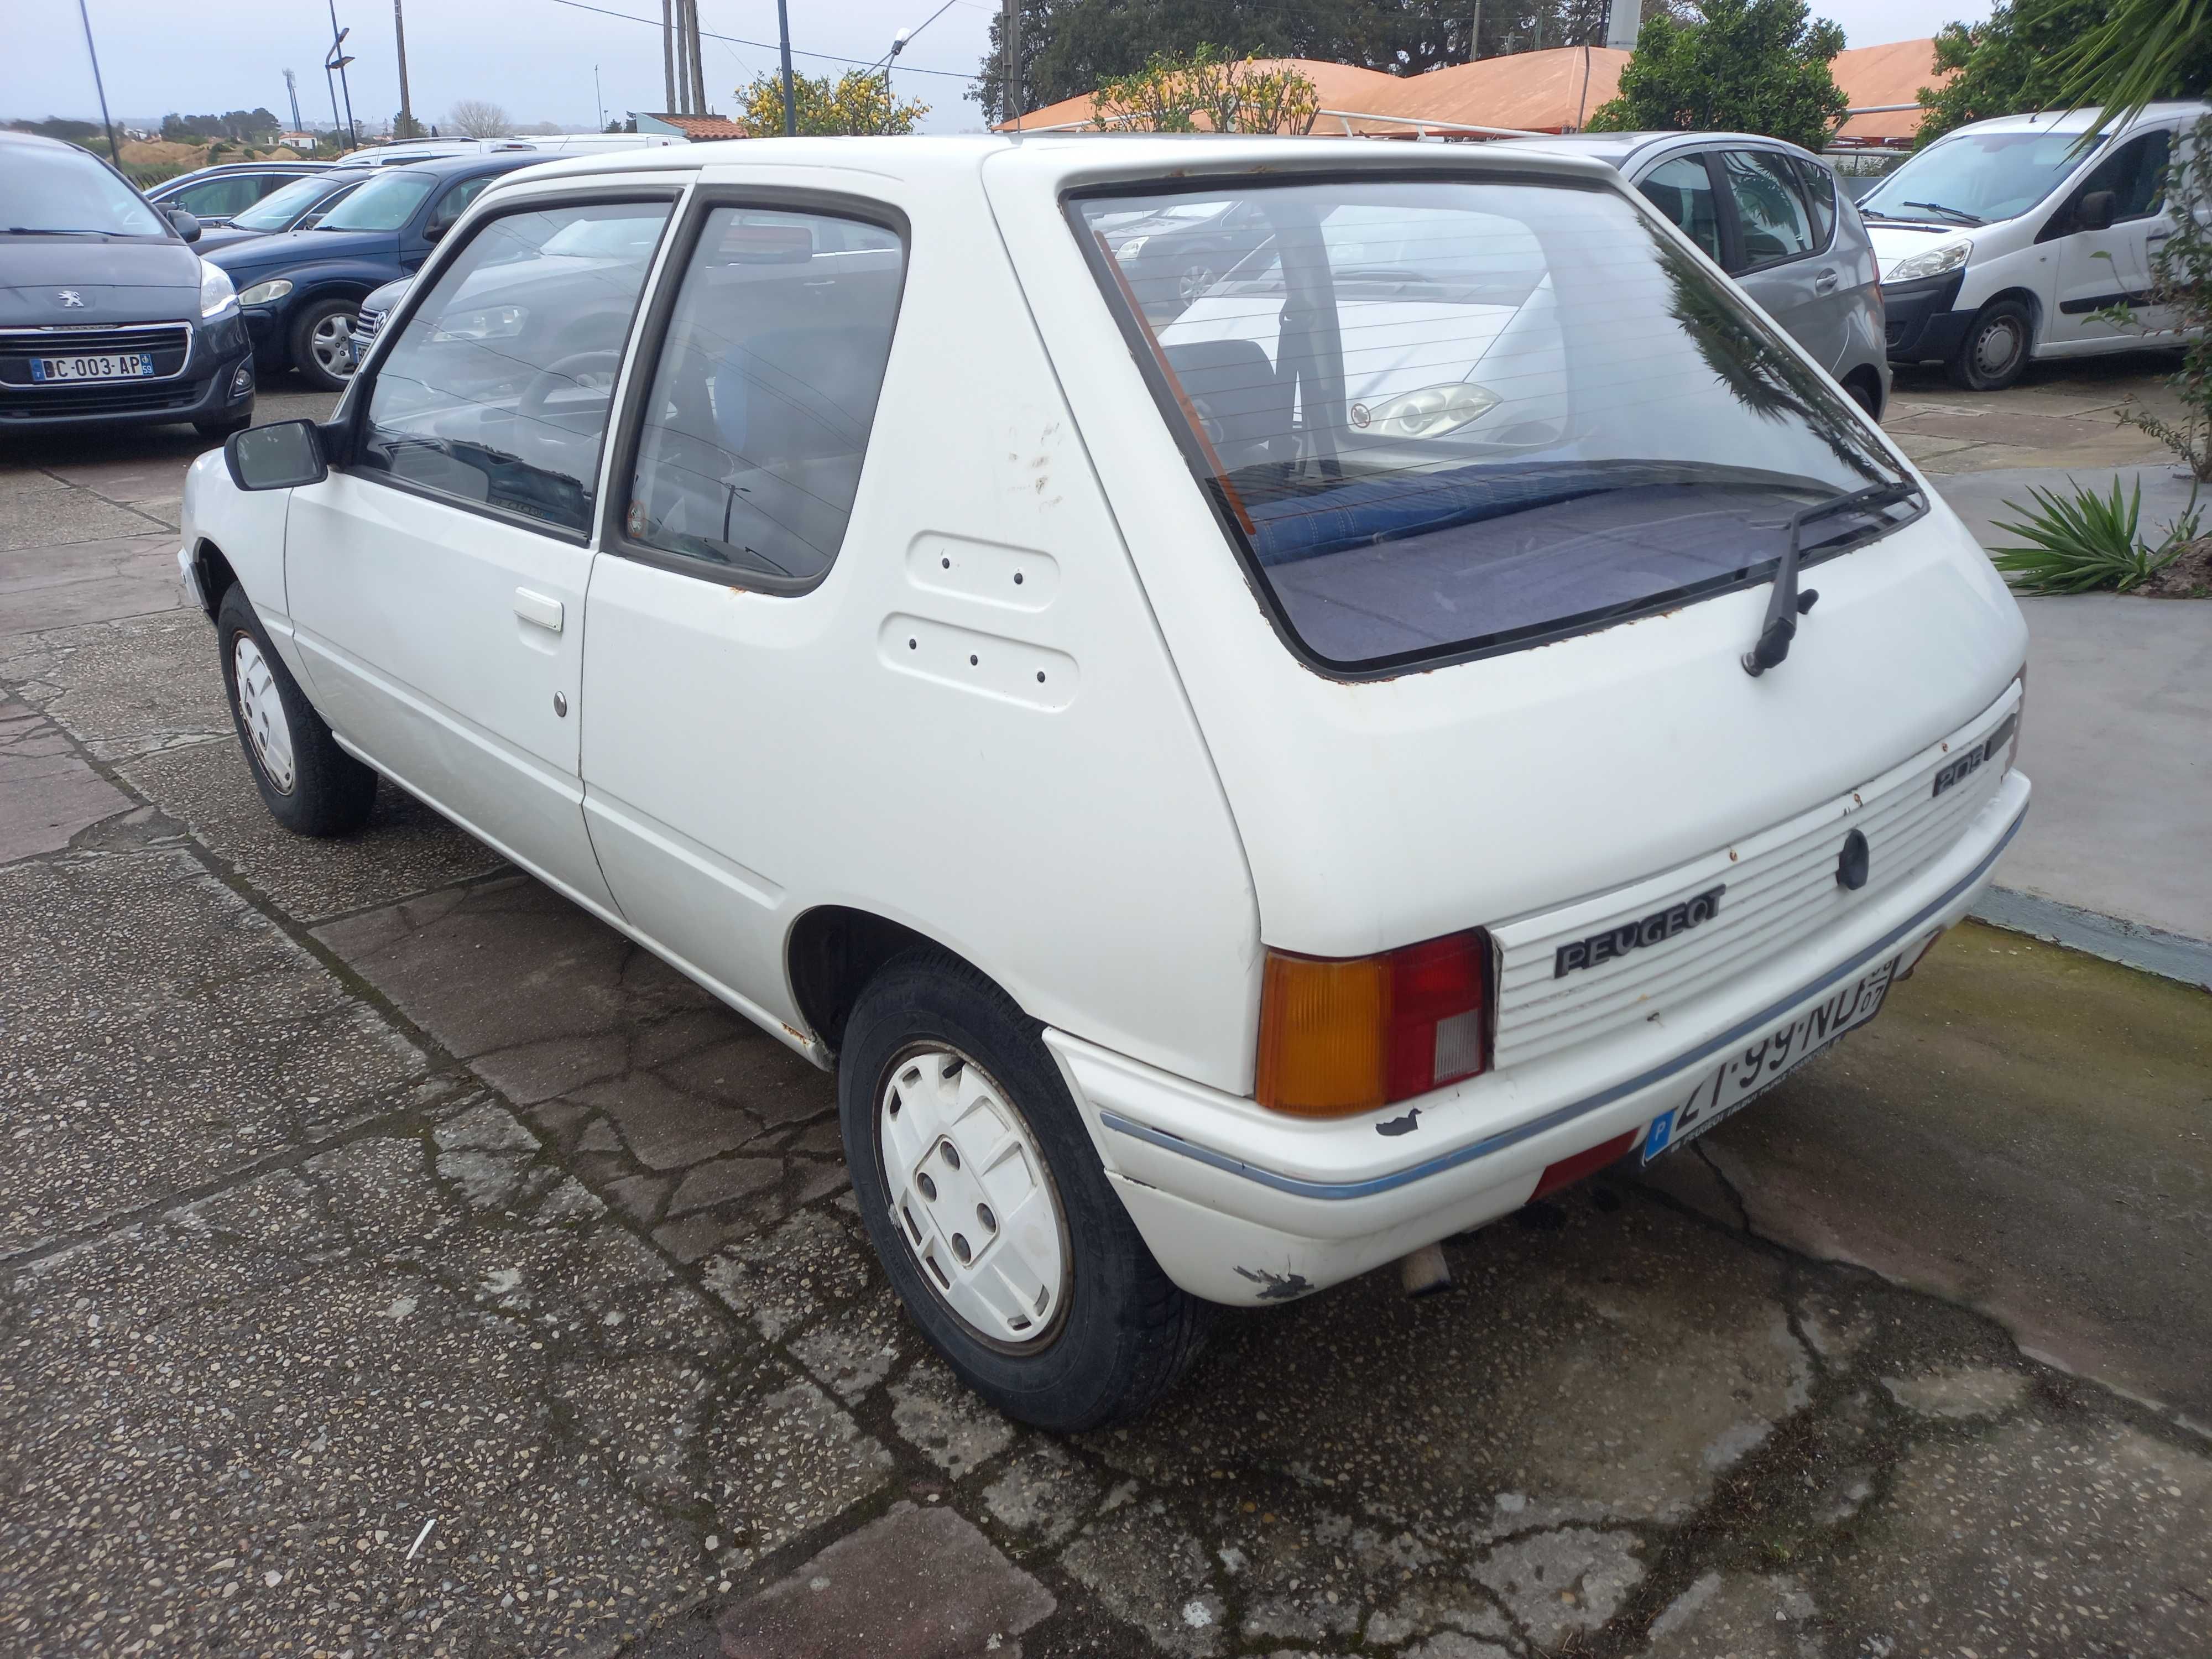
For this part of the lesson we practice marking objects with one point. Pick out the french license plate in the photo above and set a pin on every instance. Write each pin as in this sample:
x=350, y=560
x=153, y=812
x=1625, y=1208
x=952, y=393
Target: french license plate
x=1746, y=1073
x=109, y=366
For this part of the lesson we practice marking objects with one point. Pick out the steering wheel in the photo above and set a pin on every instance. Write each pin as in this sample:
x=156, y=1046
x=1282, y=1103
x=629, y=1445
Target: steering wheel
x=562, y=374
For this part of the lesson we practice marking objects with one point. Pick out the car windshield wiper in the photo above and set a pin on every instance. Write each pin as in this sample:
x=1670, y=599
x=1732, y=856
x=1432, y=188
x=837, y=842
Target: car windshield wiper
x=50, y=230
x=1957, y=216
x=1785, y=605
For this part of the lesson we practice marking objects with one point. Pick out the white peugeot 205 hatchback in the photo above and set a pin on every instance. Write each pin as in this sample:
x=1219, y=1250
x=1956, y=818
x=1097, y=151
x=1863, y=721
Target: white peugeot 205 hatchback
x=1239, y=787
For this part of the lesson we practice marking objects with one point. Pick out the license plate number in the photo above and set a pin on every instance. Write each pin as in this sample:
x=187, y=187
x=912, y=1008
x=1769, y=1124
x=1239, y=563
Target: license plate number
x=1746, y=1073
x=107, y=365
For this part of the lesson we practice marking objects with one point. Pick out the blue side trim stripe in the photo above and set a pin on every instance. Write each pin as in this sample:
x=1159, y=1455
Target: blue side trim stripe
x=1552, y=1119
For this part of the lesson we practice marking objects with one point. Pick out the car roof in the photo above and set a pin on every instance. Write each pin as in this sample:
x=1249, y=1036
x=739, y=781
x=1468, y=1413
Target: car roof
x=2079, y=120
x=1071, y=158
x=441, y=166
x=251, y=167
x=1619, y=147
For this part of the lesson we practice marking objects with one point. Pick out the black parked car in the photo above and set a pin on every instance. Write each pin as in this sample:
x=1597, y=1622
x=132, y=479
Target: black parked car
x=217, y=195
x=107, y=315
x=300, y=288
x=300, y=205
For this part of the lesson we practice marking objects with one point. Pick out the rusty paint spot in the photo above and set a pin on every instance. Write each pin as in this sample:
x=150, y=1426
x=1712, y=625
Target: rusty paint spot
x=1731, y=855
x=1277, y=1287
x=805, y=1039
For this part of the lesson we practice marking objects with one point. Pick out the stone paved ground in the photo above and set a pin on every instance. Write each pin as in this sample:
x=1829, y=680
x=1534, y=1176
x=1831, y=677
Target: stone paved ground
x=393, y=1261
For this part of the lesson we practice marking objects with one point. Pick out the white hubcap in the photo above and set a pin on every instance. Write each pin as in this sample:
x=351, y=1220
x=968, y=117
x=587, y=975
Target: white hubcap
x=266, y=727
x=970, y=1195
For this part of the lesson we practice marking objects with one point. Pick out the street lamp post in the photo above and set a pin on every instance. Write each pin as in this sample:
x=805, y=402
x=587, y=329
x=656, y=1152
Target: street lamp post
x=898, y=46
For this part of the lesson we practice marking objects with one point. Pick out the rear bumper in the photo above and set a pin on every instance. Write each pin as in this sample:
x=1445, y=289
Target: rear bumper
x=1921, y=325
x=1242, y=1206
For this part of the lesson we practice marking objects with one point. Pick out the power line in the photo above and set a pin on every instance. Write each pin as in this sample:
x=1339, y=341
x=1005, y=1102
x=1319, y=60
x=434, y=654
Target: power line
x=766, y=45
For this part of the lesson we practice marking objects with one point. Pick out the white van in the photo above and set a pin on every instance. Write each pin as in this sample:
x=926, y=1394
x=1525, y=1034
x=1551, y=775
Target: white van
x=1236, y=800
x=2001, y=241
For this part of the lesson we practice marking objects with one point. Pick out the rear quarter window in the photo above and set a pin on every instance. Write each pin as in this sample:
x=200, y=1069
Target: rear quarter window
x=1440, y=418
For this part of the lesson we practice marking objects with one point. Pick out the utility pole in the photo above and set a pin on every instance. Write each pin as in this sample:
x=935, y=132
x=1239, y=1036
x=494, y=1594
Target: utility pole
x=698, y=61
x=399, y=34
x=292, y=91
x=597, y=97
x=668, y=57
x=790, y=100
x=1474, y=35
x=114, y=150
x=1011, y=37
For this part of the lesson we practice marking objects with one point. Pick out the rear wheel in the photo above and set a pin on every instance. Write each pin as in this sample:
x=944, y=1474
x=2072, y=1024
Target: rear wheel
x=986, y=1203
x=322, y=343
x=309, y=785
x=1995, y=351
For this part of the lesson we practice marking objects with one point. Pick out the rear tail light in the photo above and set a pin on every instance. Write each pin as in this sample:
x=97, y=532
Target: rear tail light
x=1338, y=1037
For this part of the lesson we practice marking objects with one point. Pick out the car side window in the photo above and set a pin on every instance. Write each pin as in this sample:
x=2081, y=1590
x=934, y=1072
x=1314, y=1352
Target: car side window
x=454, y=202
x=1683, y=190
x=750, y=451
x=218, y=199
x=1775, y=223
x=497, y=393
x=2135, y=174
x=1820, y=195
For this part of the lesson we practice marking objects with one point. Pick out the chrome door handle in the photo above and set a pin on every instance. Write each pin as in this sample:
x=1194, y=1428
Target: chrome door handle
x=1825, y=283
x=539, y=610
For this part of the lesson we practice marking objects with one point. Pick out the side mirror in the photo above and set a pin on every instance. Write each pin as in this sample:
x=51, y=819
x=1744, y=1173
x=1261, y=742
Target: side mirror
x=2096, y=210
x=436, y=228
x=183, y=223
x=281, y=456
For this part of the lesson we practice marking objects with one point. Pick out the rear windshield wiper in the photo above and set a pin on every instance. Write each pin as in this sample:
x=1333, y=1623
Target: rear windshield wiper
x=1957, y=216
x=1785, y=605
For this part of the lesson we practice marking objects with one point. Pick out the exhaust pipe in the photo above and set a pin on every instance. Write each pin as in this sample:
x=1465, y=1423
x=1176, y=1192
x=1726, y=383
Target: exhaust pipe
x=1425, y=1272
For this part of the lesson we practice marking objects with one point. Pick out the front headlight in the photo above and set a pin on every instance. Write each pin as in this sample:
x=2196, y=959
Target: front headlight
x=1131, y=248
x=1934, y=263
x=262, y=294
x=1428, y=413
x=217, y=295
x=494, y=322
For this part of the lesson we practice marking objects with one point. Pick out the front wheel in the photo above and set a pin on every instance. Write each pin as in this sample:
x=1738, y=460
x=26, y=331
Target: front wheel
x=322, y=343
x=989, y=1209
x=1995, y=352
x=216, y=430
x=309, y=785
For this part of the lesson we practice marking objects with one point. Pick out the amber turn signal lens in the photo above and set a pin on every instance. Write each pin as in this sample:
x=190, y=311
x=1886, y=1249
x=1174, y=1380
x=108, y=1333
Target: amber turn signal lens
x=1339, y=1037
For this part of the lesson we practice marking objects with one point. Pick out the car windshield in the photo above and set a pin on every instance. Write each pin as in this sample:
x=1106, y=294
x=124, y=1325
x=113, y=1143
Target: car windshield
x=1975, y=176
x=605, y=239
x=384, y=204
x=67, y=193
x=1444, y=418
x=279, y=208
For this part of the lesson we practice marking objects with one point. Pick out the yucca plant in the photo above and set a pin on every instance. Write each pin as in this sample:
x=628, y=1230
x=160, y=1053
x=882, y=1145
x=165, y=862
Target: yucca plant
x=2083, y=545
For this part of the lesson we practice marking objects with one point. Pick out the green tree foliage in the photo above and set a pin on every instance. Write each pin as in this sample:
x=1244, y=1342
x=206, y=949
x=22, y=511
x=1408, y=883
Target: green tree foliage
x=2139, y=49
x=1068, y=46
x=256, y=126
x=1748, y=66
x=856, y=102
x=1232, y=94
x=2023, y=57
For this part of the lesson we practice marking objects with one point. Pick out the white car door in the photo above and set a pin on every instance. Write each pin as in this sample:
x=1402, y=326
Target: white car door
x=437, y=576
x=2097, y=268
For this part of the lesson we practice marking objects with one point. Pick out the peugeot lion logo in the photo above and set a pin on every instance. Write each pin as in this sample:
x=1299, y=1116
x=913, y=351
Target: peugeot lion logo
x=70, y=297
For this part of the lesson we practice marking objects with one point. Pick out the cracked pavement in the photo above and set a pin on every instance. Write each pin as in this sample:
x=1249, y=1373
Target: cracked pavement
x=395, y=1260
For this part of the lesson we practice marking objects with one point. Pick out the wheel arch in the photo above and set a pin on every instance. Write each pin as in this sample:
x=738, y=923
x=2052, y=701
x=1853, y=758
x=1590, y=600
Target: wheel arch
x=2027, y=297
x=215, y=575
x=831, y=953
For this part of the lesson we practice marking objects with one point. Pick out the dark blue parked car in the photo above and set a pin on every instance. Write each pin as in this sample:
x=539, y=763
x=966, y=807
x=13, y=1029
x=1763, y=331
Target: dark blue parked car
x=300, y=289
x=108, y=317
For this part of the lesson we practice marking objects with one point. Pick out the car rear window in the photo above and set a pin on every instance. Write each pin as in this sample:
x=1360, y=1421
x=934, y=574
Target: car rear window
x=1441, y=418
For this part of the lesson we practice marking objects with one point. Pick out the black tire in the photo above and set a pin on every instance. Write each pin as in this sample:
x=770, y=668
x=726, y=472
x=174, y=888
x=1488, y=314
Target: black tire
x=317, y=320
x=331, y=792
x=1124, y=1333
x=1995, y=351
x=216, y=431
x=1864, y=395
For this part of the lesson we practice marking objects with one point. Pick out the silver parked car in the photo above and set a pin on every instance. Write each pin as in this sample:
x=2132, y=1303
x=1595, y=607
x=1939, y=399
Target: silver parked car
x=1772, y=216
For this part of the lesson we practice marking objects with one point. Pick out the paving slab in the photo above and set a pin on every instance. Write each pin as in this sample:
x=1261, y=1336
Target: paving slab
x=2026, y=1129
x=124, y=688
x=162, y=1034
x=48, y=793
x=923, y=1583
x=48, y=586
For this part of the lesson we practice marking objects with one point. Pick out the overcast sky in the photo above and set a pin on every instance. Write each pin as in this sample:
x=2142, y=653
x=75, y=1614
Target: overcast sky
x=534, y=57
